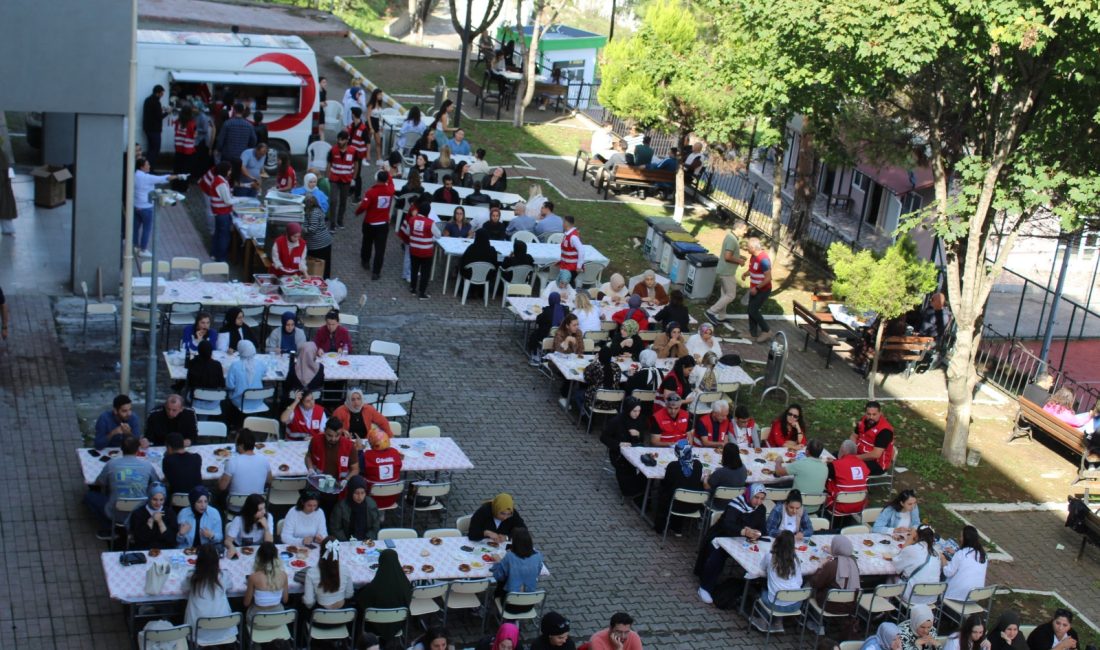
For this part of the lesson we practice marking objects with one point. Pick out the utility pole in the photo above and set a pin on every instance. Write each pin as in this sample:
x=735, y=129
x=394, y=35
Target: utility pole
x=1048, y=336
x=128, y=217
x=611, y=28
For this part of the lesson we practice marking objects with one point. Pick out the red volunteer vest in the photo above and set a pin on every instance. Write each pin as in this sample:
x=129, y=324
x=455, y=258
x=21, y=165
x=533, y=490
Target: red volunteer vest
x=209, y=184
x=756, y=271
x=866, y=440
x=318, y=449
x=418, y=235
x=303, y=426
x=716, y=434
x=288, y=181
x=357, y=135
x=671, y=429
x=569, y=252
x=381, y=467
x=851, y=476
x=291, y=257
x=342, y=164
x=679, y=384
x=185, y=137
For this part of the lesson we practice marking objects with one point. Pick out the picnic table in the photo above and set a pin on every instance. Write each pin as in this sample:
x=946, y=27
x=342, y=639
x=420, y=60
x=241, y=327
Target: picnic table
x=528, y=309
x=352, y=367
x=228, y=294
x=852, y=322
x=541, y=252
x=475, y=214
x=432, y=156
x=419, y=455
x=572, y=366
x=505, y=198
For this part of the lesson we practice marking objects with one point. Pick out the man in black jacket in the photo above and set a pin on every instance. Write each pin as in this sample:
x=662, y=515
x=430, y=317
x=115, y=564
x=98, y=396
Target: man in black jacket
x=152, y=122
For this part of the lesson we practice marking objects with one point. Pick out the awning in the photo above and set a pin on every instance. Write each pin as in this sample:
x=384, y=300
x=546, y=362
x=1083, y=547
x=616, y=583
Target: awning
x=898, y=180
x=236, y=78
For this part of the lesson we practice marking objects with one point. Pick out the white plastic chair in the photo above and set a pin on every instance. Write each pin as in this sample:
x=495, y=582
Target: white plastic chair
x=285, y=491
x=590, y=275
x=769, y=614
x=555, y=238
x=479, y=276
x=164, y=636
x=467, y=594
x=376, y=616
x=521, y=274
x=957, y=610
x=97, y=309
x=208, y=395
x=525, y=236
x=516, y=599
x=463, y=524
x=256, y=394
x=687, y=497
x=856, y=529
x=187, y=265
x=317, y=152
x=219, y=623
x=215, y=272
x=396, y=533
x=425, y=431
x=845, y=498
x=394, y=489
x=331, y=625
x=441, y=532
x=180, y=500
x=268, y=426
x=424, y=599
x=267, y=627
x=212, y=429
x=880, y=601
x=163, y=267
x=435, y=492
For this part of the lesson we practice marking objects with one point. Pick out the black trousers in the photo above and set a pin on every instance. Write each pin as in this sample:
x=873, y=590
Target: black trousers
x=338, y=203
x=374, y=238
x=152, y=148
x=420, y=269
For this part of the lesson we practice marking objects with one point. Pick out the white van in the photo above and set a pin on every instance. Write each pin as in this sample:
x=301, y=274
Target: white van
x=273, y=74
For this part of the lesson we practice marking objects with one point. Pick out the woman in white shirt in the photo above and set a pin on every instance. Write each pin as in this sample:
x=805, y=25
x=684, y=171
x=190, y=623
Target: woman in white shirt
x=614, y=291
x=967, y=567
x=917, y=563
x=704, y=341
x=305, y=523
x=783, y=571
x=328, y=585
x=252, y=527
x=206, y=597
x=587, y=314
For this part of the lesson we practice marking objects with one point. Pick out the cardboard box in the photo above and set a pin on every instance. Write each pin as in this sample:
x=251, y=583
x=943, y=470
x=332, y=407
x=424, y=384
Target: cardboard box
x=49, y=185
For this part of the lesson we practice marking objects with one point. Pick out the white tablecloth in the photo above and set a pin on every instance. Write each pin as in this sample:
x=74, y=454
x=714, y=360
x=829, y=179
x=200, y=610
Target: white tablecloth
x=432, y=156
x=506, y=198
x=541, y=252
x=528, y=309
x=226, y=294
x=359, y=367
x=446, y=456
x=572, y=367
x=759, y=463
x=873, y=560
x=845, y=317
x=475, y=214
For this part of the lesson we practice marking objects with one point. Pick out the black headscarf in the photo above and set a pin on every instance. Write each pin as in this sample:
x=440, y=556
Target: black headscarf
x=193, y=496
x=360, y=512
x=519, y=255
x=204, y=371
x=1010, y=617
x=236, y=334
x=480, y=251
x=390, y=586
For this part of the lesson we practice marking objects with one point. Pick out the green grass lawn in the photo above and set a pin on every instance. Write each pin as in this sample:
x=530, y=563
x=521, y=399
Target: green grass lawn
x=405, y=75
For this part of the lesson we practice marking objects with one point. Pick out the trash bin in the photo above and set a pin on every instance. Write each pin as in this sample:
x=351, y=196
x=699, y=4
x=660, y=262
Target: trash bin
x=668, y=239
x=702, y=271
x=655, y=229
x=678, y=264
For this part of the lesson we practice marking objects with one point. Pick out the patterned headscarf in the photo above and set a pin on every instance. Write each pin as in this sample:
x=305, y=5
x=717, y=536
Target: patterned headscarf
x=684, y=455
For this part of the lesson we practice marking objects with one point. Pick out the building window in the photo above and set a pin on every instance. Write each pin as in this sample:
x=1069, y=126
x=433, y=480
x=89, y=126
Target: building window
x=859, y=181
x=911, y=203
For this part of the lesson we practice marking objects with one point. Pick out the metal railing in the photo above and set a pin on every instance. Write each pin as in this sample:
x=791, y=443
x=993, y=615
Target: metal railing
x=1008, y=364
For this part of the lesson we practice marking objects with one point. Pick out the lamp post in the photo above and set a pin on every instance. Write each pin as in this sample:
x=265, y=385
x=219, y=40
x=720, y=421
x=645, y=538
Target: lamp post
x=159, y=198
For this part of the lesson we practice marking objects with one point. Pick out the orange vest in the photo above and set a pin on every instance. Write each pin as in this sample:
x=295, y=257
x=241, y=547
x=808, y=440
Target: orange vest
x=865, y=441
x=569, y=253
x=209, y=184
x=185, y=137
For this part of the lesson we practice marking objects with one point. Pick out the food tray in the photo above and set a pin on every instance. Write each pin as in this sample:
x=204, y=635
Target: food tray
x=266, y=283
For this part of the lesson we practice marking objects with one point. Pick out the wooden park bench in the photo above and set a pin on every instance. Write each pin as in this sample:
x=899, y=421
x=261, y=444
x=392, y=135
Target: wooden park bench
x=623, y=176
x=906, y=349
x=812, y=324
x=555, y=94
x=1034, y=418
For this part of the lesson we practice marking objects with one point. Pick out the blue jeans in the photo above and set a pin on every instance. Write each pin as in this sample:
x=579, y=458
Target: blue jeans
x=219, y=245
x=766, y=599
x=143, y=226
x=97, y=503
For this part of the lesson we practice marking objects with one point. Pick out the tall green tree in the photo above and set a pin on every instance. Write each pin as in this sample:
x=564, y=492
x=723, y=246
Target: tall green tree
x=997, y=97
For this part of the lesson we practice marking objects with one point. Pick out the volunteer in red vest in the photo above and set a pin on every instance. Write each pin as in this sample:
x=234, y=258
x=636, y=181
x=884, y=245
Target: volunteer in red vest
x=186, y=132
x=572, y=250
x=304, y=418
x=759, y=274
x=332, y=453
x=715, y=428
x=874, y=438
x=288, y=255
x=343, y=159
x=375, y=209
x=381, y=463
x=215, y=186
x=745, y=432
x=671, y=421
x=848, y=473
x=359, y=136
x=416, y=232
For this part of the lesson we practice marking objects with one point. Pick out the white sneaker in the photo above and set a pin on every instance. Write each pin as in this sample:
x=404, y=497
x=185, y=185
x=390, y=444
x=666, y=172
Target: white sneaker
x=564, y=403
x=704, y=596
x=144, y=253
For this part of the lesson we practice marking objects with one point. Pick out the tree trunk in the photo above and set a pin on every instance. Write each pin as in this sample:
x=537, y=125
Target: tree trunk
x=805, y=191
x=777, y=200
x=678, y=193
x=528, y=86
x=874, y=360
x=518, y=109
x=961, y=380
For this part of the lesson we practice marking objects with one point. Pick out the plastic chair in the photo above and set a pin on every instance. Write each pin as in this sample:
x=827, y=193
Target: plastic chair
x=269, y=426
x=351, y=322
x=511, y=291
x=844, y=498
x=812, y=612
x=521, y=274
x=388, y=349
x=769, y=614
x=377, y=616
x=886, y=478
x=208, y=395
x=97, y=309
x=397, y=533
x=163, y=267
x=395, y=489
x=433, y=491
x=179, y=313
x=424, y=597
x=442, y=532
x=547, y=274
x=330, y=625
x=463, y=524
x=819, y=524
x=140, y=319
x=851, y=645
x=868, y=516
x=813, y=503
x=721, y=498
x=957, y=610
x=219, y=623
x=314, y=317
x=234, y=502
x=188, y=264
x=879, y=601
x=525, y=236
x=532, y=599
x=267, y=627
x=555, y=238
x=254, y=316
x=688, y=497
x=180, y=500
x=317, y=152
x=926, y=589
x=215, y=272
x=166, y=635
x=284, y=491
x=856, y=529
x=256, y=394
x=604, y=395
x=125, y=506
x=479, y=277
x=467, y=594
x=212, y=429
x=590, y=275
x=425, y=431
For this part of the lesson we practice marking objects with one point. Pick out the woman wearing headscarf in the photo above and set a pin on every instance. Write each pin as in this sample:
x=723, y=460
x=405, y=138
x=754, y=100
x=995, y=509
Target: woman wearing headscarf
x=518, y=257
x=199, y=524
x=916, y=632
x=380, y=463
x=519, y=569
x=1005, y=635
x=605, y=373
x=674, y=311
x=390, y=588
x=647, y=377
x=840, y=571
x=704, y=341
x=246, y=373
x=495, y=520
x=506, y=638
x=153, y=525
x=614, y=291
x=204, y=371
x=670, y=343
x=288, y=254
x=686, y=472
x=561, y=285
x=625, y=340
x=626, y=429
x=234, y=330
x=743, y=517
x=480, y=251
x=885, y=638
x=649, y=290
x=633, y=311
x=358, y=417
x=553, y=633
x=288, y=337
x=548, y=319
x=357, y=516
x=308, y=374
x=310, y=186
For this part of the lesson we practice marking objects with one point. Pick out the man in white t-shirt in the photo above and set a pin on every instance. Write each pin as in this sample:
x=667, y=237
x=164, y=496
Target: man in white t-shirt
x=245, y=473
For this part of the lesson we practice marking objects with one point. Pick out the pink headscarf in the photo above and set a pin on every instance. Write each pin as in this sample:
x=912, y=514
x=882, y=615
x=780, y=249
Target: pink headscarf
x=307, y=365
x=507, y=631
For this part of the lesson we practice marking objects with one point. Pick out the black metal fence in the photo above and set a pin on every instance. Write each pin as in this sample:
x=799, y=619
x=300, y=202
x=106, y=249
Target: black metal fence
x=1007, y=363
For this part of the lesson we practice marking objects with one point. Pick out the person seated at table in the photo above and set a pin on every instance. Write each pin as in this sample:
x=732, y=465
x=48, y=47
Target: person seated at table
x=481, y=250
x=587, y=314
x=333, y=453
x=305, y=523
x=308, y=373
x=288, y=254
x=388, y=589
x=840, y=571
x=518, y=570
x=412, y=128
x=497, y=180
x=380, y=463
x=676, y=381
x=495, y=520
x=303, y=417
x=550, y=318
x=704, y=377
x=1057, y=633
x=634, y=312
x=732, y=472
x=614, y=291
x=649, y=290
x=562, y=284
x=553, y=633
x=624, y=340
x=310, y=186
x=358, y=418
x=426, y=142
x=1061, y=404
x=182, y=469
x=171, y=417
x=783, y=570
x=918, y=631
x=479, y=166
x=287, y=338
x=521, y=221
x=745, y=432
x=1006, y=633
x=394, y=165
x=647, y=377
x=792, y=517
x=245, y=473
x=671, y=342
x=671, y=423
x=357, y=516
x=789, y=429
x=117, y=424
x=204, y=371
x=848, y=473
x=627, y=429
x=234, y=330
x=246, y=373
x=885, y=638
x=267, y=588
x=333, y=337
x=477, y=197
x=200, y=523
x=568, y=338
x=713, y=429
x=253, y=526
x=447, y=193
x=423, y=171
x=809, y=472
x=874, y=438
x=494, y=227
x=898, y=516
x=459, y=145
x=153, y=525
x=675, y=311
x=198, y=332
x=704, y=341
x=604, y=374
x=444, y=163
x=458, y=226
x=206, y=598
x=518, y=257
x=969, y=636
x=328, y=585
x=547, y=222
x=743, y=516
x=917, y=563
x=966, y=568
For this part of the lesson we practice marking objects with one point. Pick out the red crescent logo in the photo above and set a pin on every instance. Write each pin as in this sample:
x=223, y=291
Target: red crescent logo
x=309, y=91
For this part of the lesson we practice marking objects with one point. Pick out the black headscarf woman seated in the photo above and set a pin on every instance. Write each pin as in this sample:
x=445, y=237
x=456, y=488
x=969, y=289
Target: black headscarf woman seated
x=745, y=517
x=390, y=588
x=235, y=329
x=480, y=251
x=204, y=371
x=686, y=472
x=518, y=257
x=626, y=429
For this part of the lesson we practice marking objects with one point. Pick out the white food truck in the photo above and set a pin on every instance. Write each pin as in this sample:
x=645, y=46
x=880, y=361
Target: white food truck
x=273, y=74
